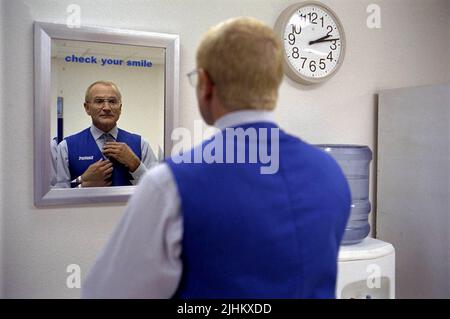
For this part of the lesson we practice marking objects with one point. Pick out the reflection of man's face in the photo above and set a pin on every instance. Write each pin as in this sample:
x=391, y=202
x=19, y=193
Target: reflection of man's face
x=103, y=106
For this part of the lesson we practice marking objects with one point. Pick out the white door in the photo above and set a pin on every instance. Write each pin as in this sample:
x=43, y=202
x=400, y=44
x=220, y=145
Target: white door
x=413, y=166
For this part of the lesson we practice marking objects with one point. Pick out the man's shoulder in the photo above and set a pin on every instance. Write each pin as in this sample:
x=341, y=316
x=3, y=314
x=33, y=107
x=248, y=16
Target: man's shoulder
x=307, y=150
x=127, y=133
x=78, y=134
x=159, y=176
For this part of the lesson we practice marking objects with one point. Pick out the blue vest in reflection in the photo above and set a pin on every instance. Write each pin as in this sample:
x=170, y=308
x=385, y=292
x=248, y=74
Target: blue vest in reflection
x=249, y=235
x=83, y=151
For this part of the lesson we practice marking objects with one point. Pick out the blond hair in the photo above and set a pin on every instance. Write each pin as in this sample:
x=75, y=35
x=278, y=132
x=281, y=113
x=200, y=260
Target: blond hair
x=102, y=82
x=243, y=58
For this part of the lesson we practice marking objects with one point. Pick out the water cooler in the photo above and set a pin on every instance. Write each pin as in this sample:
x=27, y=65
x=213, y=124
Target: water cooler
x=366, y=266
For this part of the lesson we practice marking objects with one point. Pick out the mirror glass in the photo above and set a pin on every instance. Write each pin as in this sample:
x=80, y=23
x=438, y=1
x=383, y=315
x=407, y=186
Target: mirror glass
x=143, y=66
x=137, y=71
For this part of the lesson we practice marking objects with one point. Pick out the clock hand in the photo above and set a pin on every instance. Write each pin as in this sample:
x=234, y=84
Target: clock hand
x=315, y=52
x=324, y=40
x=320, y=39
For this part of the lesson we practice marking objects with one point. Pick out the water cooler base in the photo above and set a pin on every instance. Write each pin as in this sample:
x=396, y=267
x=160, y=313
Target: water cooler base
x=366, y=271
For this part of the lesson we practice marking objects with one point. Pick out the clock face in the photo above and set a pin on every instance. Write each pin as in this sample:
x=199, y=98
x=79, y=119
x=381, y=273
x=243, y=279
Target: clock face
x=313, y=40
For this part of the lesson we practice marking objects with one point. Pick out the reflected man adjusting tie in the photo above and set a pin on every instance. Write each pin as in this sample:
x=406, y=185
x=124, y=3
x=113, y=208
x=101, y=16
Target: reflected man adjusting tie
x=103, y=154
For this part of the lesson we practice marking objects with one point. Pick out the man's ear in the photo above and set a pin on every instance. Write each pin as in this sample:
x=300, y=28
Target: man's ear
x=86, y=108
x=205, y=84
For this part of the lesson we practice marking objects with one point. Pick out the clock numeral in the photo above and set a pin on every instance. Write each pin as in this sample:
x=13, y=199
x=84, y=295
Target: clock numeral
x=333, y=45
x=330, y=29
x=312, y=66
x=295, y=53
x=303, y=17
x=321, y=19
x=322, y=62
x=294, y=29
x=312, y=17
x=291, y=38
x=330, y=56
x=304, y=60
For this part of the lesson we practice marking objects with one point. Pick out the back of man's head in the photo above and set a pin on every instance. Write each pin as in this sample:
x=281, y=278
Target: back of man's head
x=243, y=58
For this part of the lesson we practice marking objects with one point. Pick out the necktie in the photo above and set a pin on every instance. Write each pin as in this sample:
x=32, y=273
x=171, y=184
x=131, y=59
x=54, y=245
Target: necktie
x=106, y=137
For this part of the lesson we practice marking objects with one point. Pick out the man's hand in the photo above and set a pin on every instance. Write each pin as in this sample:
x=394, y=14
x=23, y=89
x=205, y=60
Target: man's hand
x=98, y=174
x=122, y=153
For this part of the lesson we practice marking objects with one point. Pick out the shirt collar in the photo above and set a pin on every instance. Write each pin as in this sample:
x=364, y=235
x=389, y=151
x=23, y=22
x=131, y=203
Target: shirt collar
x=97, y=133
x=244, y=116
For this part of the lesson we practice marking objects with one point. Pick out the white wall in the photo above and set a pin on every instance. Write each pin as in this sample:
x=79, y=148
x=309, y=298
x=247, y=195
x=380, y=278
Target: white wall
x=410, y=49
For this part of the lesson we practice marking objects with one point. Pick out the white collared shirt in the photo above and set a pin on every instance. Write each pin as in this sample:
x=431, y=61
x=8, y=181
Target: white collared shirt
x=142, y=257
x=63, y=178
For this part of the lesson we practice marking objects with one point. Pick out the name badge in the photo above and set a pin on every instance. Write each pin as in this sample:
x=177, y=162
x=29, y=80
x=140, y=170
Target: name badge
x=85, y=158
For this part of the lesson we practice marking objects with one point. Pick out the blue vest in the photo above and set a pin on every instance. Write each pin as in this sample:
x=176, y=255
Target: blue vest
x=83, y=151
x=248, y=235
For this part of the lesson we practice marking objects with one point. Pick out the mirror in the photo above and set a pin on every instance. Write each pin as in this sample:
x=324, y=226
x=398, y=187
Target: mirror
x=143, y=69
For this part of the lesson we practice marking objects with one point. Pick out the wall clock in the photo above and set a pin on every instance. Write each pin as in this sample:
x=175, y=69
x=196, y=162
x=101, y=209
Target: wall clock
x=313, y=42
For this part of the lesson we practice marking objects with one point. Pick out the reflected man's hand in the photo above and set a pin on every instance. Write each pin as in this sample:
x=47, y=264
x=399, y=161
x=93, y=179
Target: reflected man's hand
x=122, y=153
x=98, y=174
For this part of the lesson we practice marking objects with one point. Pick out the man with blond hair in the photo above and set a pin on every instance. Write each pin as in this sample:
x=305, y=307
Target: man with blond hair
x=226, y=228
x=102, y=155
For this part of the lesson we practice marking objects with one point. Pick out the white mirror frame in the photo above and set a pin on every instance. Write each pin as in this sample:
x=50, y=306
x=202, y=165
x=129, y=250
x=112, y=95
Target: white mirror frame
x=44, y=195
